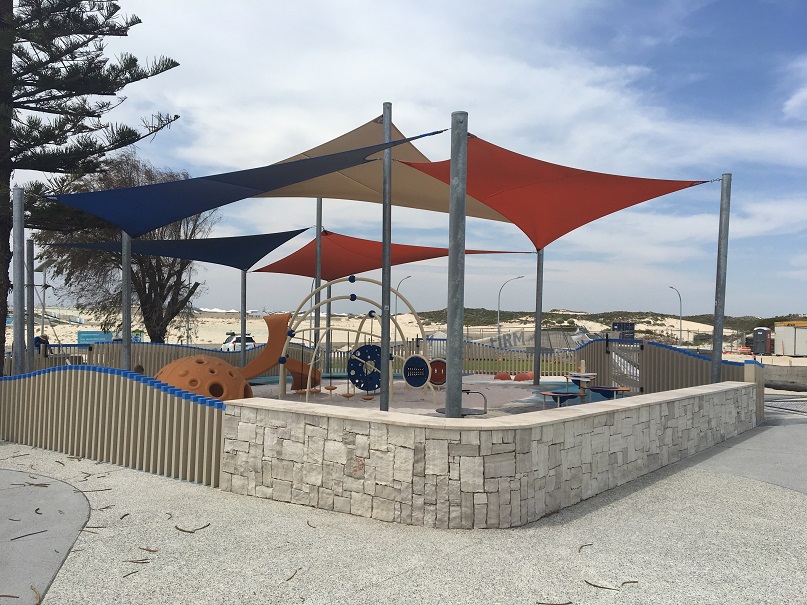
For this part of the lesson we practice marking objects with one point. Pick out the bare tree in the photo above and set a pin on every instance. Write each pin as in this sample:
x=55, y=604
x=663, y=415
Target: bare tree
x=163, y=287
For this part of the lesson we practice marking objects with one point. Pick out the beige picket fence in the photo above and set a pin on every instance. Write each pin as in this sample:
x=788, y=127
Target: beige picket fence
x=651, y=367
x=114, y=416
x=480, y=358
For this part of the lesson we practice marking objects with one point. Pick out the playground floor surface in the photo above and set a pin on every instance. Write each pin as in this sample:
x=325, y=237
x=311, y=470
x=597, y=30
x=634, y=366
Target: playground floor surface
x=503, y=397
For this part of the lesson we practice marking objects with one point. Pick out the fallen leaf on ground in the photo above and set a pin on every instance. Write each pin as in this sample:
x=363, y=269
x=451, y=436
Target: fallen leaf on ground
x=191, y=531
x=600, y=586
x=26, y=535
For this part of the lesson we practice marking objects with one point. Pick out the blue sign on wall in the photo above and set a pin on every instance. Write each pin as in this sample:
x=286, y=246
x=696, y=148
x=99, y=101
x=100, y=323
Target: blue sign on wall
x=89, y=337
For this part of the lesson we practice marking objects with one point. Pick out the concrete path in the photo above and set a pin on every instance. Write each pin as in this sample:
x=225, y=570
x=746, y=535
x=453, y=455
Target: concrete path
x=727, y=526
x=40, y=519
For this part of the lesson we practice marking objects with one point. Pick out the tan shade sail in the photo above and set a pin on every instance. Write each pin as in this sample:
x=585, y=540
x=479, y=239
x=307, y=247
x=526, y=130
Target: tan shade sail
x=343, y=255
x=546, y=201
x=411, y=188
x=138, y=210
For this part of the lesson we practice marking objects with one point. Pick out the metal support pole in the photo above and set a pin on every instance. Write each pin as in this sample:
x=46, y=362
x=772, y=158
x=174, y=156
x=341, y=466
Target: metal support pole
x=243, y=356
x=720, y=287
x=18, y=262
x=539, y=303
x=328, y=331
x=29, y=315
x=680, y=317
x=318, y=271
x=126, y=300
x=456, y=264
x=386, y=267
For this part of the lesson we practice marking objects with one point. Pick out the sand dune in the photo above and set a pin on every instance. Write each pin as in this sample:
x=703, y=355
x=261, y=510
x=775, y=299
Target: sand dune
x=211, y=327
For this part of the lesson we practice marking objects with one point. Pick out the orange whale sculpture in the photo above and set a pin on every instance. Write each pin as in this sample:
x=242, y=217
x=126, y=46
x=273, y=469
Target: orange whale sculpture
x=270, y=356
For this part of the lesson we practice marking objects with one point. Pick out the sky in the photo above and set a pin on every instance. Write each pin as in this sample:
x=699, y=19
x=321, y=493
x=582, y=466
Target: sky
x=673, y=89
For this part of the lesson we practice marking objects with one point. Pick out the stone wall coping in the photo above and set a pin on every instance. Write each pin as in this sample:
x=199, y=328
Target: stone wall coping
x=514, y=421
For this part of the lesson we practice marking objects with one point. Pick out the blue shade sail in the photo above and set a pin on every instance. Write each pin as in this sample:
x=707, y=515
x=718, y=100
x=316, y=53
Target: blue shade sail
x=138, y=210
x=239, y=252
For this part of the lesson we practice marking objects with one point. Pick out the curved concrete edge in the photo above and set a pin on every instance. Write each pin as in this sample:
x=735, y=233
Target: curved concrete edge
x=40, y=520
x=785, y=385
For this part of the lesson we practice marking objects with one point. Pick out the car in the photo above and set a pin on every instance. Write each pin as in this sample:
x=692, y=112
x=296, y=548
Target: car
x=233, y=342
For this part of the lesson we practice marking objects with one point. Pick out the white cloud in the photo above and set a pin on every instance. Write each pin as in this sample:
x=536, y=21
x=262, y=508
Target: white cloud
x=795, y=107
x=259, y=82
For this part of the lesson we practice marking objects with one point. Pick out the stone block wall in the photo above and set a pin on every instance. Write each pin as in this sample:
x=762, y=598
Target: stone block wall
x=468, y=473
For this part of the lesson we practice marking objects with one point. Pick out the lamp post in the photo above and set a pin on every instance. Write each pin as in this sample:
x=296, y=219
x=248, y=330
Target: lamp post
x=499, y=307
x=680, y=316
x=397, y=289
x=43, y=269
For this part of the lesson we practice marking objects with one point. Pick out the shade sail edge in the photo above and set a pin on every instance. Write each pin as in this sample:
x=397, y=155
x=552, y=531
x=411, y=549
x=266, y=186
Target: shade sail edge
x=239, y=252
x=344, y=255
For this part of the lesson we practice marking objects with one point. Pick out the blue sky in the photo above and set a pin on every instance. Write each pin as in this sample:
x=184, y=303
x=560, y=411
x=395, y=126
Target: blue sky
x=683, y=89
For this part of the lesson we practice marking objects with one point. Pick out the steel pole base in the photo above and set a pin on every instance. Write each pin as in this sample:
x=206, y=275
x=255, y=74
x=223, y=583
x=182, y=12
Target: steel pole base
x=465, y=411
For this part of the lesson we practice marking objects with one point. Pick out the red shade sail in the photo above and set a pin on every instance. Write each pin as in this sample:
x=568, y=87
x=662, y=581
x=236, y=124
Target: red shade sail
x=343, y=255
x=546, y=201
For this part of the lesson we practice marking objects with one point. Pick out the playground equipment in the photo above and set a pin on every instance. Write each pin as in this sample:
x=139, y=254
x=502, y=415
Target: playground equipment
x=275, y=352
x=365, y=359
x=438, y=376
x=207, y=376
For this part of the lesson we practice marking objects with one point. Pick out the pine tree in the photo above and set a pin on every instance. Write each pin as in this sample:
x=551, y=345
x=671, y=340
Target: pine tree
x=56, y=88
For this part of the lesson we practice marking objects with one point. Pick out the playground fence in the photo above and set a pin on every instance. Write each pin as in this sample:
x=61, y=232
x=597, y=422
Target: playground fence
x=113, y=416
x=481, y=358
x=651, y=367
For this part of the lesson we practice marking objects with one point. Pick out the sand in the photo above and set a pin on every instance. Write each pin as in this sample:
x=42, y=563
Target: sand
x=212, y=327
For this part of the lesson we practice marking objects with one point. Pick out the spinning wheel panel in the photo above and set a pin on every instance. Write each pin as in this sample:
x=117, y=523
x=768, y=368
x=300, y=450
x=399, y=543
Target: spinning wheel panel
x=363, y=367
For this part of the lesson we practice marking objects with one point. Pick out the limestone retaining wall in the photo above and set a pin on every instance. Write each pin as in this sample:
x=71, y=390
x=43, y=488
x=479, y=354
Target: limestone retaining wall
x=468, y=473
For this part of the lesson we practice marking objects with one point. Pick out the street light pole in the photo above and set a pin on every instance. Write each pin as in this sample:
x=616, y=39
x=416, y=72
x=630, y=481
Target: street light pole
x=397, y=289
x=499, y=307
x=43, y=269
x=680, y=317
